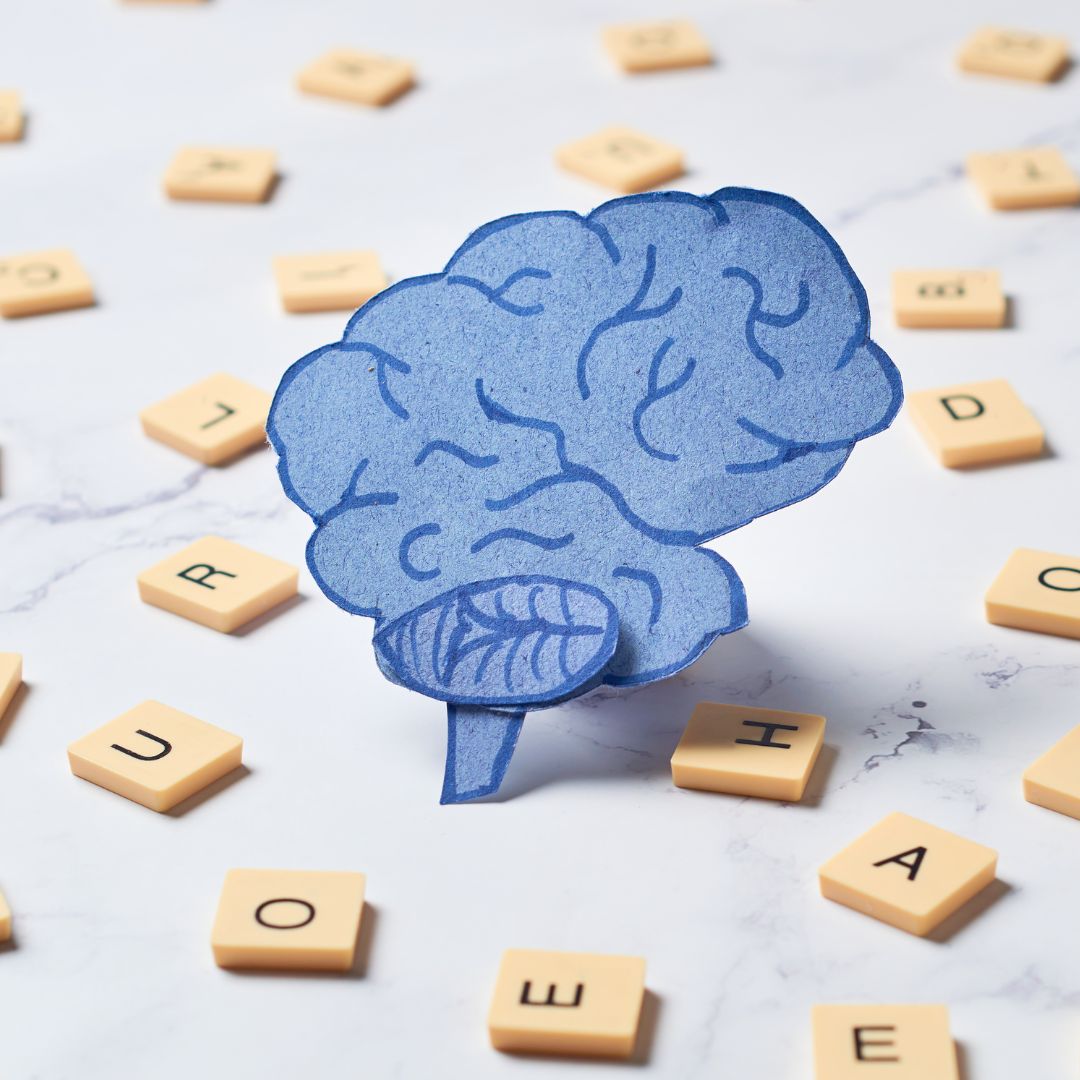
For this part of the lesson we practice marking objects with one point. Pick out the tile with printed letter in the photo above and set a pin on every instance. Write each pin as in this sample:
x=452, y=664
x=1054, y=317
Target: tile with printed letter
x=218, y=583
x=656, y=46
x=366, y=78
x=1053, y=780
x=43, y=281
x=901, y=1042
x=214, y=421
x=221, y=174
x=908, y=873
x=288, y=919
x=976, y=424
x=332, y=281
x=11, y=116
x=948, y=298
x=1024, y=179
x=1014, y=54
x=155, y=755
x=580, y=1004
x=1037, y=590
x=620, y=158
x=739, y=750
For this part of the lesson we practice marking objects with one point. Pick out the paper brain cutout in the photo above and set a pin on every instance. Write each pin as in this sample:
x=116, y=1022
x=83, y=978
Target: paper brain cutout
x=511, y=464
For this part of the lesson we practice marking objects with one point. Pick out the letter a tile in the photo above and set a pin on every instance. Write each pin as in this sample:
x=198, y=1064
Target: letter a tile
x=908, y=874
x=579, y=1004
x=218, y=583
x=155, y=755
x=901, y=1042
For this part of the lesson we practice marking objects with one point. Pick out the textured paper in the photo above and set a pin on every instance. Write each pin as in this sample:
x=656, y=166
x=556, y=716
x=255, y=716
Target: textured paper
x=512, y=465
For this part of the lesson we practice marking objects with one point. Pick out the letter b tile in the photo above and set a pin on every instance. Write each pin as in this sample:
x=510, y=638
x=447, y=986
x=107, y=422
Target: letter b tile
x=155, y=755
x=299, y=919
x=580, y=1004
x=908, y=874
x=218, y=583
x=901, y=1042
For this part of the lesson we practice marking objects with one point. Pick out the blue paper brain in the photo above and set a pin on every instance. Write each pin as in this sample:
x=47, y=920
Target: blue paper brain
x=512, y=464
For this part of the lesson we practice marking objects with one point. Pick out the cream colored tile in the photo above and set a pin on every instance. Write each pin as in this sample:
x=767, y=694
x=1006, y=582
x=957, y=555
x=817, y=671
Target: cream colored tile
x=213, y=421
x=1024, y=179
x=743, y=751
x=43, y=281
x=975, y=423
x=365, y=78
x=948, y=298
x=221, y=174
x=897, y=1042
x=622, y=159
x=580, y=1004
x=218, y=583
x=654, y=46
x=288, y=919
x=908, y=873
x=331, y=281
x=155, y=755
x=11, y=116
x=1037, y=590
x=1014, y=54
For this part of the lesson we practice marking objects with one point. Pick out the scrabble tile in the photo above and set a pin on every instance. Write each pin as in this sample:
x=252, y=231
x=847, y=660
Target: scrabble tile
x=5, y=919
x=1014, y=54
x=11, y=116
x=213, y=421
x=1024, y=179
x=975, y=423
x=653, y=46
x=221, y=175
x=10, y=678
x=155, y=755
x=580, y=1004
x=953, y=298
x=622, y=159
x=43, y=281
x=1037, y=590
x=1053, y=780
x=353, y=75
x=743, y=751
x=299, y=919
x=912, y=1042
x=218, y=583
x=334, y=281
x=908, y=874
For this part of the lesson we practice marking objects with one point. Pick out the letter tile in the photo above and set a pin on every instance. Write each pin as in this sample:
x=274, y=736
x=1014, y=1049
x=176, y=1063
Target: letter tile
x=908, y=873
x=622, y=159
x=43, y=281
x=288, y=919
x=1037, y=590
x=739, y=750
x=579, y=1004
x=219, y=174
x=155, y=755
x=948, y=298
x=218, y=583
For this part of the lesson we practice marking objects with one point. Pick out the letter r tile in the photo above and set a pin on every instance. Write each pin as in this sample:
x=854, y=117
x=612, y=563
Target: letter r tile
x=218, y=583
x=908, y=873
x=581, y=1004
x=901, y=1042
x=155, y=755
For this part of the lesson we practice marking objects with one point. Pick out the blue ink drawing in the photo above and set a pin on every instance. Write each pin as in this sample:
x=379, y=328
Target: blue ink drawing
x=512, y=465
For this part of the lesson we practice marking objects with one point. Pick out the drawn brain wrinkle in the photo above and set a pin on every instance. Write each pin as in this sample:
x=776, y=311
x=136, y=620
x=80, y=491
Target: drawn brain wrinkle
x=512, y=465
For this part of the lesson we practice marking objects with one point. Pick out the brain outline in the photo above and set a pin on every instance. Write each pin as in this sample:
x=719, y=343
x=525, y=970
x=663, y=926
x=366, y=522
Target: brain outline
x=408, y=409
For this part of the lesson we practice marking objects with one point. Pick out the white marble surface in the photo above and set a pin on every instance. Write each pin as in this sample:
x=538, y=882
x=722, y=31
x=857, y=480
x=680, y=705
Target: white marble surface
x=863, y=600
